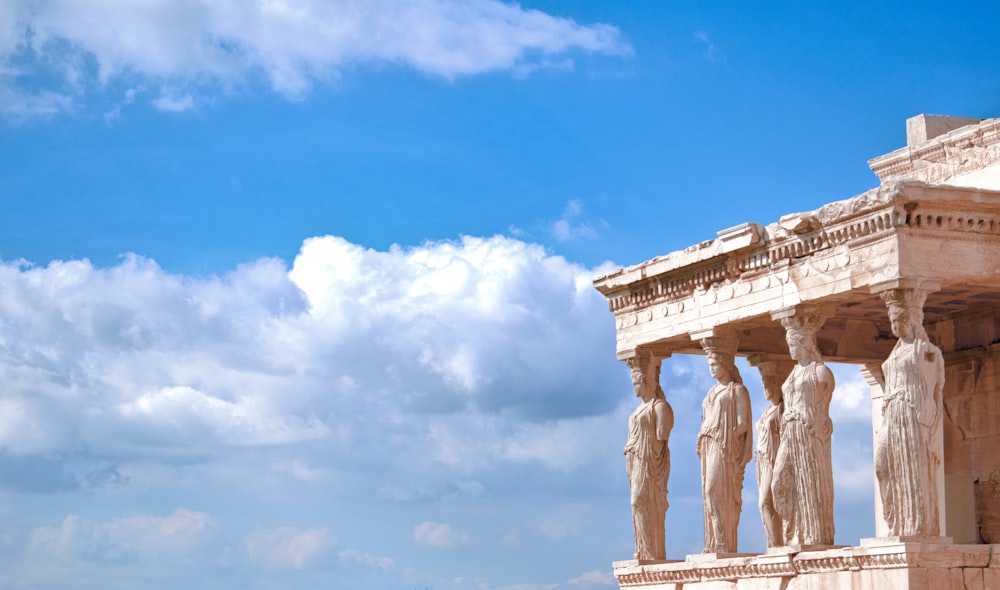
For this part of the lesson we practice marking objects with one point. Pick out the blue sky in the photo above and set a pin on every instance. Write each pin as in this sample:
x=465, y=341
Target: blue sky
x=297, y=293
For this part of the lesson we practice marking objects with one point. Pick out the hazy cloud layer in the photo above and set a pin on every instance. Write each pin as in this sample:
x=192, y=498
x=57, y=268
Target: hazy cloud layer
x=52, y=52
x=139, y=536
x=286, y=547
x=436, y=534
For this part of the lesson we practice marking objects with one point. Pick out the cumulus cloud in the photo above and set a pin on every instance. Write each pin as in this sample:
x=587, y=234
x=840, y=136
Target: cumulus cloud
x=436, y=534
x=290, y=44
x=851, y=399
x=494, y=341
x=286, y=547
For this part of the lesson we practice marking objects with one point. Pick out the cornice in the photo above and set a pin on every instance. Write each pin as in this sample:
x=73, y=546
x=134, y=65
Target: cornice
x=879, y=214
x=961, y=151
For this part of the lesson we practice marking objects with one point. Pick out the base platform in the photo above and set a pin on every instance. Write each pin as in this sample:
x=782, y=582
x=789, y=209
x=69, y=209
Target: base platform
x=879, y=564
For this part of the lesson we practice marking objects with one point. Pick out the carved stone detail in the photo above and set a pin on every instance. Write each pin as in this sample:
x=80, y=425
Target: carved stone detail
x=773, y=374
x=647, y=458
x=908, y=451
x=802, y=484
x=804, y=564
x=725, y=445
x=961, y=151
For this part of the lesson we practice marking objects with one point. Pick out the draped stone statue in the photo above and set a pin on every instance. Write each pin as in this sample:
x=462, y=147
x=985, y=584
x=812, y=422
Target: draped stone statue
x=908, y=450
x=725, y=446
x=647, y=458
x=772, y=374
x=802, y=482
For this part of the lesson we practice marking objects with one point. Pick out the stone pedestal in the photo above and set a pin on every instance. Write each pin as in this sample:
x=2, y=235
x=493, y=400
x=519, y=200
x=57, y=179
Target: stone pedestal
x=878, y=564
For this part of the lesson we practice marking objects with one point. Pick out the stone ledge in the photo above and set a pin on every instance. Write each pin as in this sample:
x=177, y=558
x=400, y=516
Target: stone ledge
x=889, y=555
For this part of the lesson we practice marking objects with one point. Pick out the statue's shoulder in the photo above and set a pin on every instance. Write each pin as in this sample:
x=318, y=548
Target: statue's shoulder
x=822, y=373
x=662, y=406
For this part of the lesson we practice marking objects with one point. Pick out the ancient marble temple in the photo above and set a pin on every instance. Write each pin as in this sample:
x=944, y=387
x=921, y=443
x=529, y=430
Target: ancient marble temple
x=902, y=281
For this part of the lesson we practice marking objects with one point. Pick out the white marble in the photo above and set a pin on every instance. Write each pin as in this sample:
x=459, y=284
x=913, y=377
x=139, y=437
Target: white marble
x=725, y=446
x=647, y=458
x=908, y=450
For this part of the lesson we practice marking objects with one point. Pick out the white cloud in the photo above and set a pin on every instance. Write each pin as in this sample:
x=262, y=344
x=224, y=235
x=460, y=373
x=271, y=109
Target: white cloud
x=286, y=547
x=459, y=372
x=176, y=534
x=595, y=577
x=291, y=44
x=435, y=534
x=187, y=412
x=851, y=399
x=571, y=225
x=447, y=352
x=568, y=443
x=710, y=48
x=174, y=103
x=353, y=556
x=299, y=470
x=24, y=104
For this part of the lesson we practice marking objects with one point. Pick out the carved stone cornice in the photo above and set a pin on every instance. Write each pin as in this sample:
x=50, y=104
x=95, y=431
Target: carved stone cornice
x=831, y=255
x=961, y=151
x=864, y=219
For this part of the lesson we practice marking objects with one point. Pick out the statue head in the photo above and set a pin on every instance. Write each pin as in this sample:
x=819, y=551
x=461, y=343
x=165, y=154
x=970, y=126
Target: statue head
x=772, y=376
x=645, y=375
x=720, y=352
x=722, y=366
x=800, y=333
x=906, y=312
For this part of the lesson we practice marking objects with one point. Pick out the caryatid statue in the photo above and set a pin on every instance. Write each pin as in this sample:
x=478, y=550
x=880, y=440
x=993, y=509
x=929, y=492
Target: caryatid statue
x=908, y=448
x=773, y=374
x=802, y=481
x=647, y=458
x=725, y=445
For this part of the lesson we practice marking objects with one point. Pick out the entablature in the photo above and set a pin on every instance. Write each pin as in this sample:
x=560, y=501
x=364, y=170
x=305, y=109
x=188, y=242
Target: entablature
x=834, y=256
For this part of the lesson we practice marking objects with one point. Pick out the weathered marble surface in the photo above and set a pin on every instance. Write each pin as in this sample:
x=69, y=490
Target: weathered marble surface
x=772, y=286
x=725, y=446
x=908, y=450
x=773, y=375
x=647, y=459
x=802, y=484
x=876, y=566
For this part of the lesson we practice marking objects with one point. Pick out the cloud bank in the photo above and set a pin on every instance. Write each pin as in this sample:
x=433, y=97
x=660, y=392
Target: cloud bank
x=482, y=335
x=53, y=52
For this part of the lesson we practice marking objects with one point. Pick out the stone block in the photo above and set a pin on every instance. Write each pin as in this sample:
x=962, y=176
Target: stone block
x=923, y=128
x=945, y=579
x=973, y=578
x=991, y=578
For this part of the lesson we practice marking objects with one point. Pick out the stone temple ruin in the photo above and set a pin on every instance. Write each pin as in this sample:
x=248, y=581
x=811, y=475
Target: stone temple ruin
x=903, y=281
